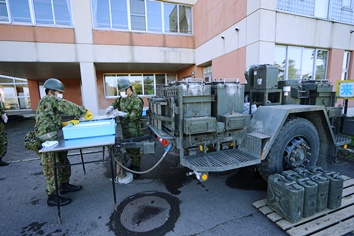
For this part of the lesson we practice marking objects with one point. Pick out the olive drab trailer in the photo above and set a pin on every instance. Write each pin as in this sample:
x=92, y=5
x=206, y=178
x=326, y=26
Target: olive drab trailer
x=225, y=125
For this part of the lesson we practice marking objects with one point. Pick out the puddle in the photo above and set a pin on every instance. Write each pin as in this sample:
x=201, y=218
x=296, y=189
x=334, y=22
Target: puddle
x=248, y=179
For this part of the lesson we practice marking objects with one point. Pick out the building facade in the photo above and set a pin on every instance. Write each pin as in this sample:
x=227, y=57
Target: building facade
x=90, y=44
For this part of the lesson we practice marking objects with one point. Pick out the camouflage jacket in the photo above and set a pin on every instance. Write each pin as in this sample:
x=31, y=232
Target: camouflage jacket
x=49, y=112
x=132, y=105
x=131, y=124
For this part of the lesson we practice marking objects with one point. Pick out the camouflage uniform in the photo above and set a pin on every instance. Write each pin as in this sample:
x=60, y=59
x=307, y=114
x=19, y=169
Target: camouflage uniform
x=131, y=124
x=48, y=119
x=3, y=137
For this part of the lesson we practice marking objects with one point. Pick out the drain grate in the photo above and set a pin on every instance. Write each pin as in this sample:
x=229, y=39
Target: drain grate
x=149, y=213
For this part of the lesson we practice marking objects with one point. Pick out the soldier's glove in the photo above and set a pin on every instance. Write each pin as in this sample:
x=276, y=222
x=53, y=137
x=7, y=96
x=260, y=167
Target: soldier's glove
x=109, y=110
x=119, y=113
x=4, y=117
x=88, y=115
x=72, y=122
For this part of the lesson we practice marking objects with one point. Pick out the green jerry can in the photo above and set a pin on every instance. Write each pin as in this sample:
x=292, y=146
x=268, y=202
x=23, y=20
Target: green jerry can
x=285, y=197
x=303, y=172
x=335, y=191
x=322, y=191
x=310, y=194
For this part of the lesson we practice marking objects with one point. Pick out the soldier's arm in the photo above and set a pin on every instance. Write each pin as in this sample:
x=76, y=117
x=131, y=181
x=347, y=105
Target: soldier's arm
x=66, y=107
x=115, y=104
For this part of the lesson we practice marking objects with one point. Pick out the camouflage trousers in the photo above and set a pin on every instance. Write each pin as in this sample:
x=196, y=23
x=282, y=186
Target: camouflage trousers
x=63, y=173
x=132, y=130
x=3, y=141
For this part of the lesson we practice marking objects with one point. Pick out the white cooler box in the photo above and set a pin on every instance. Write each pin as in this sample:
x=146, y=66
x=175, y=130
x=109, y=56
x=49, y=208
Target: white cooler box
x=88, y=129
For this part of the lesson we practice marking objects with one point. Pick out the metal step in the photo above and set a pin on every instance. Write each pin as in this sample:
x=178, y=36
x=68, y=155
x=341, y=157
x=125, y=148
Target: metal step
x=220, y=161
x=342, y=139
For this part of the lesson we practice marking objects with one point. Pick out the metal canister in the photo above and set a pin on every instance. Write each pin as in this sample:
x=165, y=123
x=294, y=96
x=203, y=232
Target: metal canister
x=286, y=197
x=310, y=196
x=335, y=191
x=322, y=191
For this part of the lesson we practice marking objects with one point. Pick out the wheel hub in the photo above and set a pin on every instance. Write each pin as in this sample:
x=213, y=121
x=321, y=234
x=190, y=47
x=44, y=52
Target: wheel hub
x=296, y=153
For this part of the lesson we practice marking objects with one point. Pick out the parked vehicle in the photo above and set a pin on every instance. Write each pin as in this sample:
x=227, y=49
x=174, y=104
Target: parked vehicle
x=225, y=125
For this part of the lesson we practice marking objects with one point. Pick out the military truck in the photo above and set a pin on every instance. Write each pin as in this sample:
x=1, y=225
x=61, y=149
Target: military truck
x=273, y=125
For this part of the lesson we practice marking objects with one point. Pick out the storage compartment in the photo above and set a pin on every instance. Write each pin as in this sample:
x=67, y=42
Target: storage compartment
x=235, y=121
x=229, y=98
x=199, y=125
x=86, y=129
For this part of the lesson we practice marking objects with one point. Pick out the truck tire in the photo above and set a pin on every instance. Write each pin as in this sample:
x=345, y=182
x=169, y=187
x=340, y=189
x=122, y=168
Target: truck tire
x=297, y=144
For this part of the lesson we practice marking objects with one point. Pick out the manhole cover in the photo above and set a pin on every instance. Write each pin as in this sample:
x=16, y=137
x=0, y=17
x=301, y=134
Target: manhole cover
x=147, y=213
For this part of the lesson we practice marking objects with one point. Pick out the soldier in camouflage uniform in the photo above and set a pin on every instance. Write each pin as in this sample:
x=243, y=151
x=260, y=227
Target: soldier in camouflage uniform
x=3, y=137
x=129, y=110
x=48, y=122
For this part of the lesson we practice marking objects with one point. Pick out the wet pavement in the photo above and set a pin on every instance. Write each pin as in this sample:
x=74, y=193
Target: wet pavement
x=163, y=202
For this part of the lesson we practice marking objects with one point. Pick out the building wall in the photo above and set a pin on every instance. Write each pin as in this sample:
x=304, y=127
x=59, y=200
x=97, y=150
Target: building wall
x=228, y=35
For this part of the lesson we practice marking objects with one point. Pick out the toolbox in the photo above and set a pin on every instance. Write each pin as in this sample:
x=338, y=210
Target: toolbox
x=88, y=129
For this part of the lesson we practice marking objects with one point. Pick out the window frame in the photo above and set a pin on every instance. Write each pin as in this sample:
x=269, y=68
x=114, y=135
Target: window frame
x=345, y=68
x=314, y=65
x=31, y=18
x=161, y=12
x=13, y=83
x=168, y=77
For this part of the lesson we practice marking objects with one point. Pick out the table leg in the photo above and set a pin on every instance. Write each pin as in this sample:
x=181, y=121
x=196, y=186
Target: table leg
x=56, y=186
x=82, y=161
x=112, y=176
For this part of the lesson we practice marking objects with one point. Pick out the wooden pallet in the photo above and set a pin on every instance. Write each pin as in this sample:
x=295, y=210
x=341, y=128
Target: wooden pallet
x=328, y=222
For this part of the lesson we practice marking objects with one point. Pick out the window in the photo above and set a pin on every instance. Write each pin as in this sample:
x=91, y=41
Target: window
x=279, y=60
x=20, y=11
x=207, y=73
x=62, y=12
x=154, y=16
x=3, y=11
x=14, y=93
x=47, y=12
x=346, y=63
x=137, y=15
x=347, y=3
x=142, y=15
x=185, y=19
x=43, y=11
x=119, y=14
x=321, y=8
x=301, y=63
x=143, y=84
x=170, y=17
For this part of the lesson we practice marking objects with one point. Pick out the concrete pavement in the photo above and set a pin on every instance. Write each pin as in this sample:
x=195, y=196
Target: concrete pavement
x=162, y=202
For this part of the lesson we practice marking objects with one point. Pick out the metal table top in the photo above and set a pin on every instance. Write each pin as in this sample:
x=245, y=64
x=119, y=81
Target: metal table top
x=80, y=143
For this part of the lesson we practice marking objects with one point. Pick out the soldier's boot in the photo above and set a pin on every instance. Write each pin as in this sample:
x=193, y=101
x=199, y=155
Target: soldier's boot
x=67, y=188
x=52, y=200
x=3, y=163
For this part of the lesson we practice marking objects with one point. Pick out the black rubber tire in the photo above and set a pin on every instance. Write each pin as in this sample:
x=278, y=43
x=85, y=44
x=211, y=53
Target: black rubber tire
x=293, y=129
